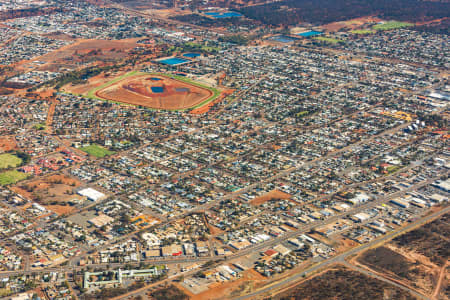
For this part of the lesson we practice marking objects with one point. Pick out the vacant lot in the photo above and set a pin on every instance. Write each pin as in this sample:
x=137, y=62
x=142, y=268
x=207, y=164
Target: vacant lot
x=383, y=259
x=169, y=293
x=415, y=258
x=406, y=268
x=9, y=161
x=341, y=283
x=88, y=50
x=352, y=24
x=10, y=177
x=7, y=143
x=55, y=192
x=97, y=151
x=272, y=195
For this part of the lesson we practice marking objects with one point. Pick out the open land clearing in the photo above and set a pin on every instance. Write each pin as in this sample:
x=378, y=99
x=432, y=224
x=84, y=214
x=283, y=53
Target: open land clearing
x=272, y=195
x=430, y=240
x=341, y=283
x=86, y=50
x=352, y=24
x=393, y=265
x=7, y=143
x=415, y=259
x=169, y=292
x=91, y=84
x=55, y=191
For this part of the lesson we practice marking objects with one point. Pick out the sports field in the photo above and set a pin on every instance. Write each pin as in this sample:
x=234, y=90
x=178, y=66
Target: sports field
x=391, y=25
x=158, y=91
x=328, y=40
x=363, y=31
x=97, y=151
x=10, y=177
x=9, y=161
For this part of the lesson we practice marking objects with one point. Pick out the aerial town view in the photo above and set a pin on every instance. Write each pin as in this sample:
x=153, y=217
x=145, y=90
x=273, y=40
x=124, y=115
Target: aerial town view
x=224, y=149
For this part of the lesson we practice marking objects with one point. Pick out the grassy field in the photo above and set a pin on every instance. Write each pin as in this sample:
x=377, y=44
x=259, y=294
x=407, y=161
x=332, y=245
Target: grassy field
x=10, y=177
x=5, y=292
x=391, y=25
x=40, y=126
x=302, y=113
x=9, y=161
x=97, y=151
x=191, y=47
x=363, y=31
x=392, y=169
x=328, y=40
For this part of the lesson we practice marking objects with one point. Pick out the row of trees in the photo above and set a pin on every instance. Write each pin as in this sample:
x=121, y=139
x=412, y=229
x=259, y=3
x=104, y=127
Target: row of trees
x=238, y=39
x=77, y=77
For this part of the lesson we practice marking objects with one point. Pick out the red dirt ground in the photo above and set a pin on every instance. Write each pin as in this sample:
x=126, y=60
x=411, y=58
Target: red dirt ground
x=60, y=209
x=52, y=189
x=137, y=90
x=83, y=50
x=205, y=108
x=350, y=24
x=7, y=143
x=274, y=194
x=85, y=46
x=93, y=82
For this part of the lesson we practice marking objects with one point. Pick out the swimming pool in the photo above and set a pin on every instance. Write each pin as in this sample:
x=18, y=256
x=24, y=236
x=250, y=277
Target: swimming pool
x=283, y=39
x=309, y=33
x=217, y=15
x=173, y=61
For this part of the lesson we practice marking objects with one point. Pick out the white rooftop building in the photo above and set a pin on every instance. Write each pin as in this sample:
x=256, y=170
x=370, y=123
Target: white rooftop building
x=91, y=194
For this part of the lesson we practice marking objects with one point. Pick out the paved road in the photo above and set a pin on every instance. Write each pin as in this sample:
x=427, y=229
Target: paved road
x=341, y=257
